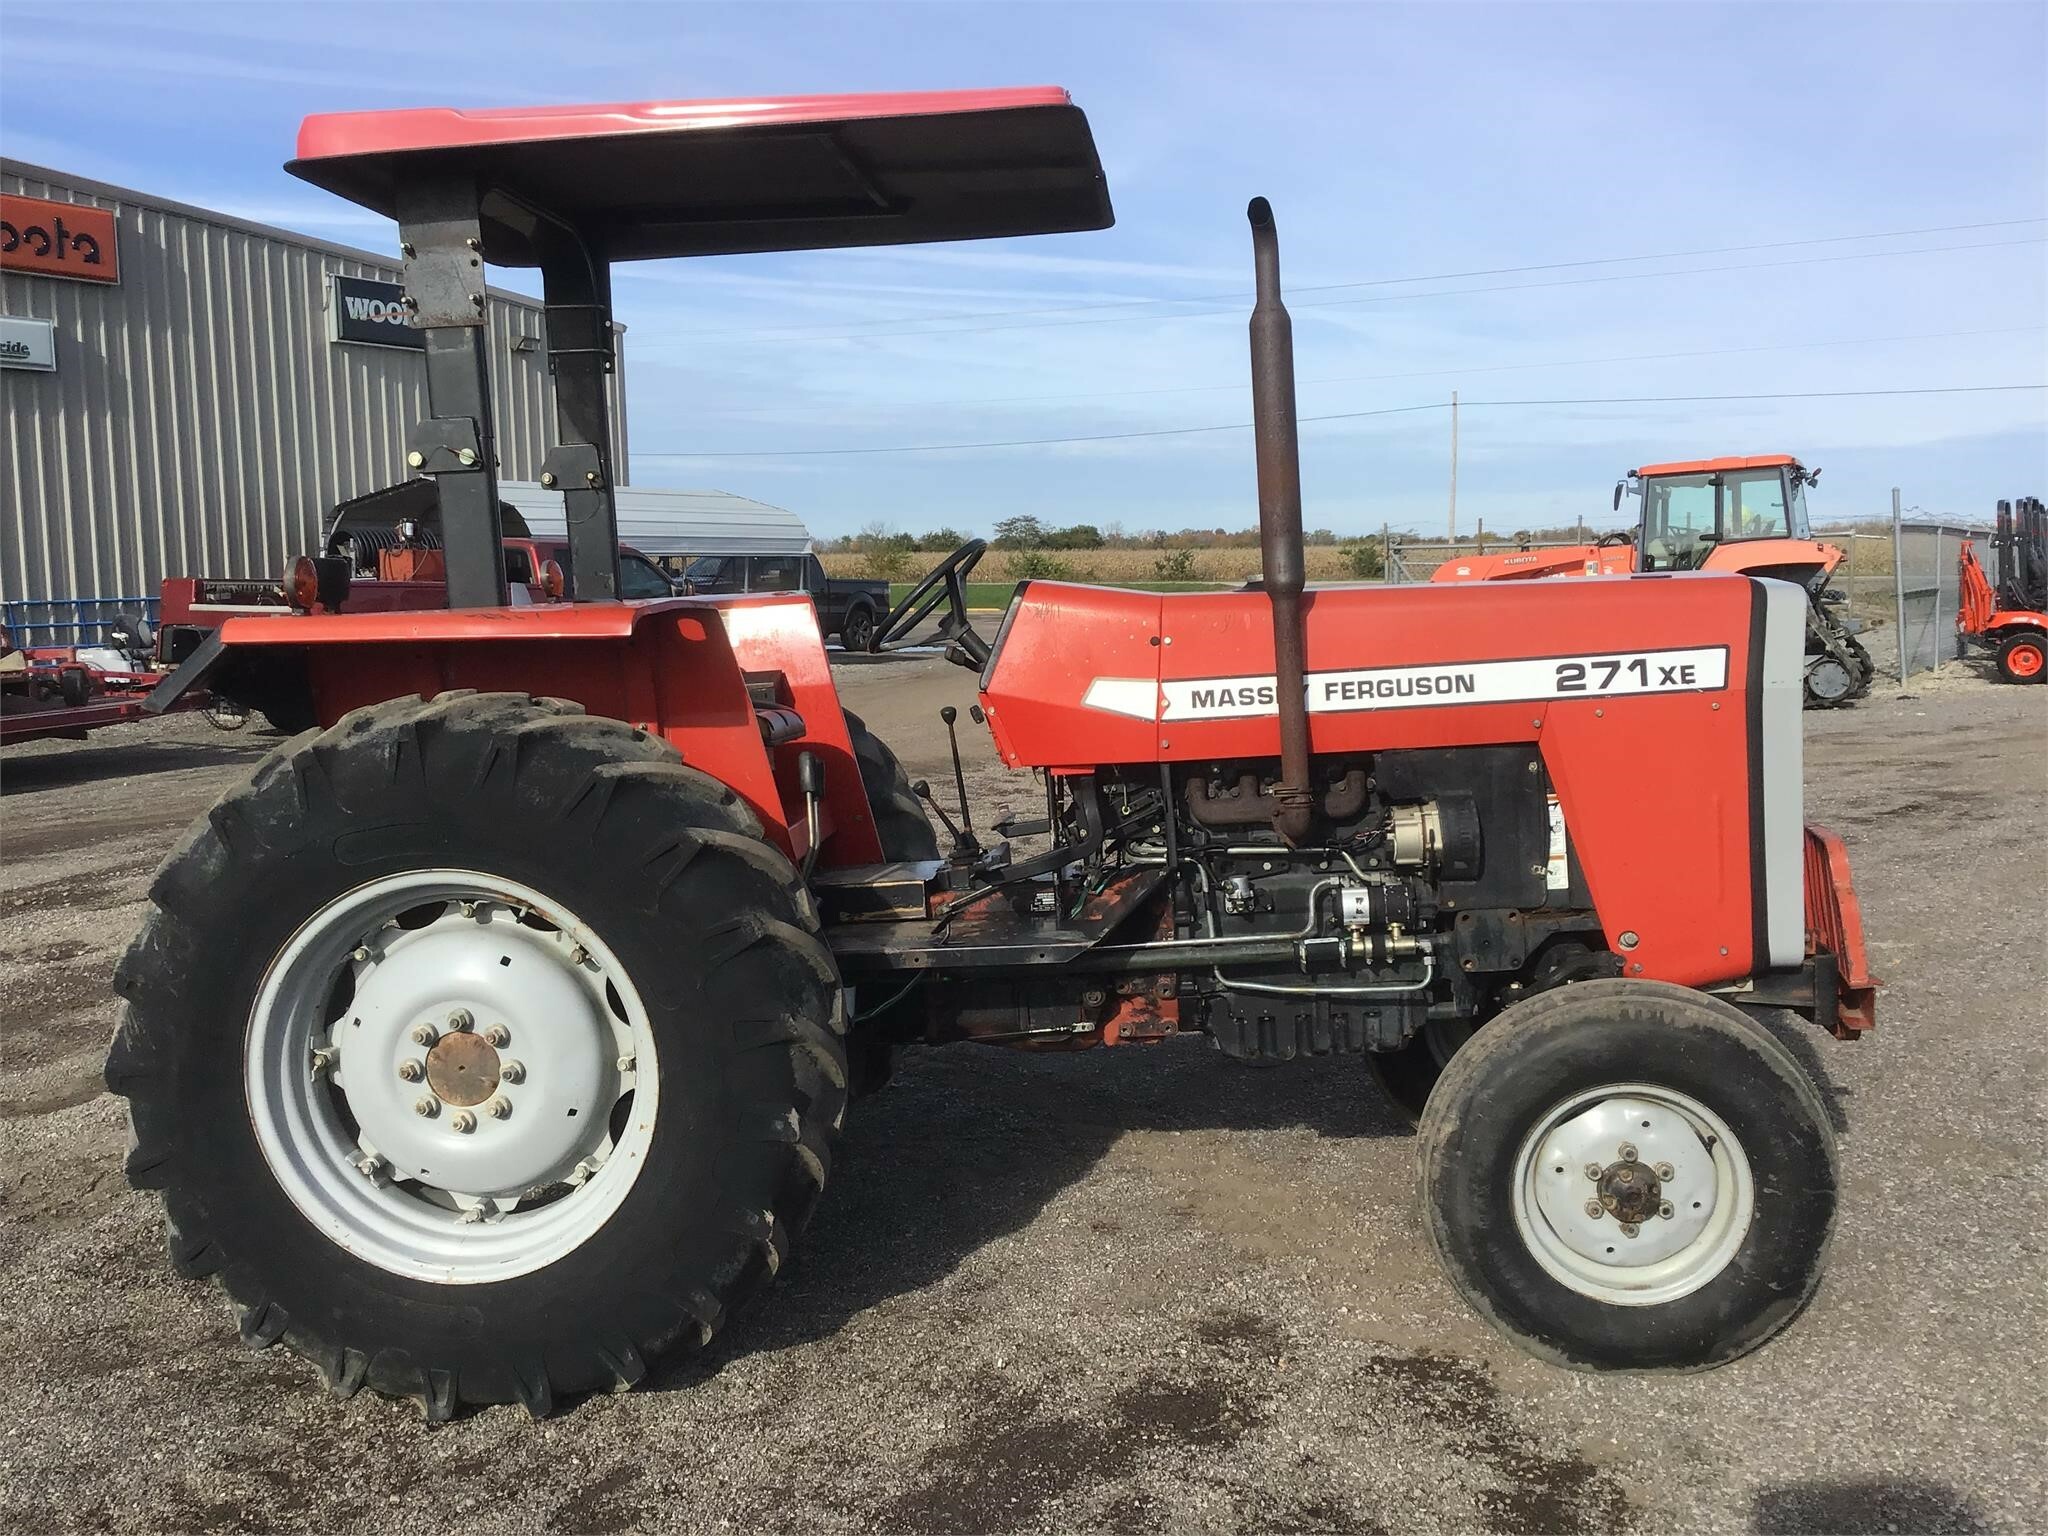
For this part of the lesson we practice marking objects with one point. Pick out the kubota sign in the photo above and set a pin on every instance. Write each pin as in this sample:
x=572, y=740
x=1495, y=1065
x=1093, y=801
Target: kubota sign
x=59, y=239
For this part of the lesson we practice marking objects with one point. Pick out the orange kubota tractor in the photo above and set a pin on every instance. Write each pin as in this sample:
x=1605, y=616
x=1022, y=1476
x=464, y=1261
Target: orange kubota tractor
x=1746, y=515
x=2008, y=614
x=492, y=1038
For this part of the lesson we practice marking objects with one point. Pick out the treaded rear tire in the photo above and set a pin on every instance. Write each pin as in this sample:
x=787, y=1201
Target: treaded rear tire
x=715, y=931
x=900, y=822
x=1591, y=1034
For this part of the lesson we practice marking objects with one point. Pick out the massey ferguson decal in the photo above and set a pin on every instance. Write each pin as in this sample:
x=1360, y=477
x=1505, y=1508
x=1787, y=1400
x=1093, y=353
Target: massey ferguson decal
x=59, y=240
x=1609, y=675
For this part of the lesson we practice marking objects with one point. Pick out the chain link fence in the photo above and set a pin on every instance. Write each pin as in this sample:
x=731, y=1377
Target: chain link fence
x=1925, y=593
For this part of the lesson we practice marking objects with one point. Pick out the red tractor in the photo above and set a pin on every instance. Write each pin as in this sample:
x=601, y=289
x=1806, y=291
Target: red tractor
x=1745, y=515
x=491, y=1040
x=2008, y=615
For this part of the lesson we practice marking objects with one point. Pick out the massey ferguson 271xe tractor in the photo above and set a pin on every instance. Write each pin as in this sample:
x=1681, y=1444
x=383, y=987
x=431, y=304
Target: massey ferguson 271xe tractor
x=491, y=1040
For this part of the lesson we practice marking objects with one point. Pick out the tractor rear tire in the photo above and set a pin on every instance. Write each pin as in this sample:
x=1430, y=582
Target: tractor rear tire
x=512, y=875
x=2023, y=658
x=899, y=819
x=907, y=838
x=1629, y=1175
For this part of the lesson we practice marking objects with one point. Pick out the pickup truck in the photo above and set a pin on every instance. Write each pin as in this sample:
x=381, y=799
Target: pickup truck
x=848, y=607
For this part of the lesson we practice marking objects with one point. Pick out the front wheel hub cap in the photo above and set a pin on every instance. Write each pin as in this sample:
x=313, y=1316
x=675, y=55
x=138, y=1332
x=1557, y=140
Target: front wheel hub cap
x=1646, y=1237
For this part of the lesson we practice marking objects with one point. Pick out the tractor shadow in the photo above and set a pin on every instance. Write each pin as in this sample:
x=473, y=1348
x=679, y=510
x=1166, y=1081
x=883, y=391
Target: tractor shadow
x=40, y=772
x=969, y=1144
x=1855, y=1507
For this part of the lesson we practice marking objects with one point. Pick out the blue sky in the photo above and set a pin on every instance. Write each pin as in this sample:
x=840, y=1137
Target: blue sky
x=1395, y=142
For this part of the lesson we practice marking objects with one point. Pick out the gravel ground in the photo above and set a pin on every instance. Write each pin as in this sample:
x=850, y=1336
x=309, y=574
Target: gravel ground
x=1144, y=1290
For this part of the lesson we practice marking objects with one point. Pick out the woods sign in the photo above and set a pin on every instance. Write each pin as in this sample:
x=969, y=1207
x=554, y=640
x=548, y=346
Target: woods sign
x=364, y=312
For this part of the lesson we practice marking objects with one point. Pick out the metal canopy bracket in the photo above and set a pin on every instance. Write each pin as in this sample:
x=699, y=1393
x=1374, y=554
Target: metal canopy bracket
x=441, y=236
x=577, y=283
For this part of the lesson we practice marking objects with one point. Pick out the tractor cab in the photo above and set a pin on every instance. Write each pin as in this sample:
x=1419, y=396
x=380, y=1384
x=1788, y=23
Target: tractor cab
x=1691, y=509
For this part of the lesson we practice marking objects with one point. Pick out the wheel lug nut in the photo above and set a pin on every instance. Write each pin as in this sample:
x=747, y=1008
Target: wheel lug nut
x=512, y=1071
x=1593, y=1171
x=1664, y=1210
x=424, y=1034
x=499, y=1109
x=1595, y=1209
x=498, y=1035
x=1629, y=1229
x=360, y=954
x=462, y=1120
x=626, y=1063
x=426, y=1105
x=461, y=1019
x=1628, y=1152
x=1665, y=1171
x=411, y=1070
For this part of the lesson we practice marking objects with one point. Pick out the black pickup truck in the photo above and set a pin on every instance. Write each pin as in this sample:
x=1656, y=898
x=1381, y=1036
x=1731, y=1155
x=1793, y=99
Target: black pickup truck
x=848, y=607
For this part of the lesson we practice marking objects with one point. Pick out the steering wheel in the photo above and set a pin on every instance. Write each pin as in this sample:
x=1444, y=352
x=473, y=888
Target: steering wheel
x=1619, y=536
x=945, y=583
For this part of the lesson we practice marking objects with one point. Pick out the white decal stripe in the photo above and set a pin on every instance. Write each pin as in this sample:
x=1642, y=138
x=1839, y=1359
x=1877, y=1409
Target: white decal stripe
x=1137, y=697
x=1609, y=674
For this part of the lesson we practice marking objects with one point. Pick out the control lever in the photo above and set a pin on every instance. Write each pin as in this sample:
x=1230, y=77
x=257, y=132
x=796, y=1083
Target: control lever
x=966, y=843
x=923, y=791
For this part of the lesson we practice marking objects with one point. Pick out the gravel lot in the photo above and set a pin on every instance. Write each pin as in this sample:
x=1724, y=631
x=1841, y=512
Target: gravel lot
x=1121, y=1291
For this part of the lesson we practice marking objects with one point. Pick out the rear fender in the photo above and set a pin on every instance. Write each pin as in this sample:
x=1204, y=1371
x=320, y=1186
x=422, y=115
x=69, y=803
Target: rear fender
x=677, y=668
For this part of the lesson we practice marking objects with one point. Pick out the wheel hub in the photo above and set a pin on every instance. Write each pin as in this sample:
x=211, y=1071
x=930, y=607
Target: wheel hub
x=450, y=1077
x=487, y=971
x=1629, y=1190
x=462, y=1069
x=1829, y=680
x=1632, y=1194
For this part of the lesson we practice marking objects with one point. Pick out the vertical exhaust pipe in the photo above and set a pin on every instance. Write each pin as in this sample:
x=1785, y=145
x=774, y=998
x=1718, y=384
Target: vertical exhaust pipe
x=1280, y=554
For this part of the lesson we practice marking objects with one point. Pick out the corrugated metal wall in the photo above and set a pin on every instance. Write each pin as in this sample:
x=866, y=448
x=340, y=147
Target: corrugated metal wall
x=200, y=420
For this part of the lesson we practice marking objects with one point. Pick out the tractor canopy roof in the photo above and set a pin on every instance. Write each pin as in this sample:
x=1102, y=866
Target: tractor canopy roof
x=643, y=180
x=1714, y=466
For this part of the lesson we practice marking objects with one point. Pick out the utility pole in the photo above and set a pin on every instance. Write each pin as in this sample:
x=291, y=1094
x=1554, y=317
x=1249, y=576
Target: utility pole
x=1454, y=466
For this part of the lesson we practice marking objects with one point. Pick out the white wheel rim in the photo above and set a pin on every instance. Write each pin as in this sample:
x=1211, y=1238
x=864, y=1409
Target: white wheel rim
x=1687, y=1182
x=488, y=1149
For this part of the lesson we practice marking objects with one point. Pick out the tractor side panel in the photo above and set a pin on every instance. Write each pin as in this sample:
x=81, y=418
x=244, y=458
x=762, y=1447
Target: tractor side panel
x=1645, y=696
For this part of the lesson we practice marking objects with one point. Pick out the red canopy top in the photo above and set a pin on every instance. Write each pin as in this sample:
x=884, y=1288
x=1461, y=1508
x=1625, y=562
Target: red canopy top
x=687, y=178
x=1715, y=466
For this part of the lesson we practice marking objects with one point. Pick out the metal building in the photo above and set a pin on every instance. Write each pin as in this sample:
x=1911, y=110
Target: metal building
x=184, y=392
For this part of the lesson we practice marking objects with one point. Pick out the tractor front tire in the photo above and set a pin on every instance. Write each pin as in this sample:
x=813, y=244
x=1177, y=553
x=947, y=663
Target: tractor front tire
x=2023, y=658
x=482, y=1049
x=1629, y=1175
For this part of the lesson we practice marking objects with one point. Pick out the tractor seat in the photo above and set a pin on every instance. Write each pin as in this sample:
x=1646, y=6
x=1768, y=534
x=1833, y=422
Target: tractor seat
x=779, y=724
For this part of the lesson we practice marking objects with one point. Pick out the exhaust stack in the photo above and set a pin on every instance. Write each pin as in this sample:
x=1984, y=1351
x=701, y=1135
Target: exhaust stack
x=1280, y=554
